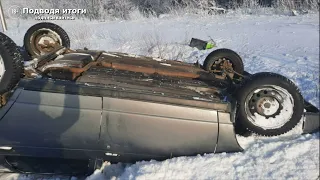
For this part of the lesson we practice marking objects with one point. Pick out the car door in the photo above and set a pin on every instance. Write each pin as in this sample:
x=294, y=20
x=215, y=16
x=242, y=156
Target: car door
x=157, y=129
x=51, y=124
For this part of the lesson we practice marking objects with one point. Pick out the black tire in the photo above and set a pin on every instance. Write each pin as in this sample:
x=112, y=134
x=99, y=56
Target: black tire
x=230, y=55
x=52, y=30
x=255, y=84
x=12, y=61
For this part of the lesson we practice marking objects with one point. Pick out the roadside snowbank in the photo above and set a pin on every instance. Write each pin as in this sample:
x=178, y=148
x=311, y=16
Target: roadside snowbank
x=293, y=157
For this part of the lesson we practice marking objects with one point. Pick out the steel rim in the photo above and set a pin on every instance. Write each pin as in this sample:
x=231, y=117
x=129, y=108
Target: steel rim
x=269, y=107
x=2, y=68
x=44, y=41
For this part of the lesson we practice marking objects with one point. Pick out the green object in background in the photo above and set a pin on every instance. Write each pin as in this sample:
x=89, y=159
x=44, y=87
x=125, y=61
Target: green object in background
x=210, y=45
x=201, y=44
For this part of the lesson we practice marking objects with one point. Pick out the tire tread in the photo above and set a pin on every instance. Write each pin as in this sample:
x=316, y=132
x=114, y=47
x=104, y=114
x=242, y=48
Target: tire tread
x=256, y=79
x=17, y=62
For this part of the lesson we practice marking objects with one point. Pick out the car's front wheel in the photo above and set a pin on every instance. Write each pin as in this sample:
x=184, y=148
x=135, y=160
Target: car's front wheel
x=11, y=64
x=269, y=104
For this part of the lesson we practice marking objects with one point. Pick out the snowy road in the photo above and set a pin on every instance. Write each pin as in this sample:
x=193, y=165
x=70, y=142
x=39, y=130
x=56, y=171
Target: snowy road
x=281, y=44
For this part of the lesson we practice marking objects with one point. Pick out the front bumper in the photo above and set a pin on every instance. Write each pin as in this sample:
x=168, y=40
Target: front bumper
x=311, y=119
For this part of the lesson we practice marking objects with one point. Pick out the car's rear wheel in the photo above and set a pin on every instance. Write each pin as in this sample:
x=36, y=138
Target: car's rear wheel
x=224, y=61
x=269, y=104
x=43, y=38
x=11, y=64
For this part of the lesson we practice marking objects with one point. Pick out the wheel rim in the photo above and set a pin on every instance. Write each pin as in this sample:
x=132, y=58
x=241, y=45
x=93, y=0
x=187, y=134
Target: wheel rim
x=44, y=41
x=2, y=68
x=269, y=107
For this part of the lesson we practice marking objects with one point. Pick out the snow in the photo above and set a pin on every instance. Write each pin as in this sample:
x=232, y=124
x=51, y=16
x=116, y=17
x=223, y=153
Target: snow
x=165, y=64
x=272, y=159
x=109, y=54
x=157, y=59
x=290, y=156
x=280, y=44
x=201, y=99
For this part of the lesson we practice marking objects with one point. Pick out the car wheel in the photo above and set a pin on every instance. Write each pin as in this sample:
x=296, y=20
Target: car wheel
x=11, y=64
x=215, y=61
x=45, y=37
x=269, y=104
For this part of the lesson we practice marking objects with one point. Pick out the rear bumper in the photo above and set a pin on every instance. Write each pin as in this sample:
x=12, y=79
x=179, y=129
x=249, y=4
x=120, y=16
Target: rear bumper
x=311, y=122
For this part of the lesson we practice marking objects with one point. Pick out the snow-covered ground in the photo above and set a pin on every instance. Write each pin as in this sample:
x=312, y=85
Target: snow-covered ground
x=288, y=45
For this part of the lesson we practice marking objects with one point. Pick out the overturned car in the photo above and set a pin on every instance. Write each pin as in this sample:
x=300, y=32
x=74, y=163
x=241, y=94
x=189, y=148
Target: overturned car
x=94, y=106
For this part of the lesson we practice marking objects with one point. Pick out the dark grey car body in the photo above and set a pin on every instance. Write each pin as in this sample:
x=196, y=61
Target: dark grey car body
x=118, y=116
x=51, y=124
